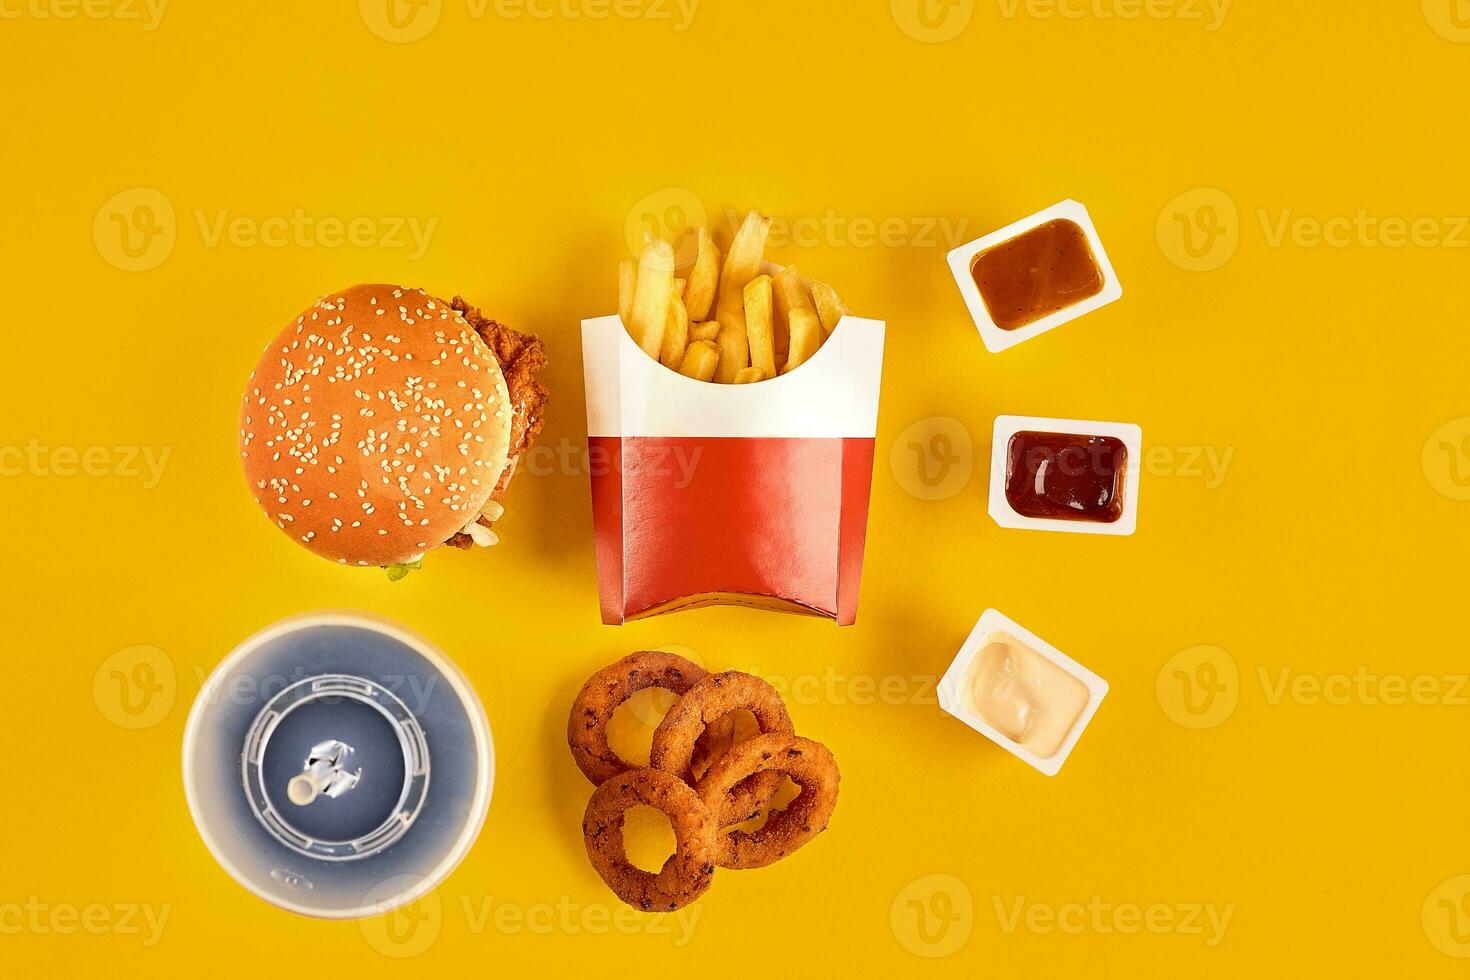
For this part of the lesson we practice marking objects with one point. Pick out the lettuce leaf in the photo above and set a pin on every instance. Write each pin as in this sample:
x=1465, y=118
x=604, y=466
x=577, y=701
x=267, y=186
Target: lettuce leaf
x=397, y=573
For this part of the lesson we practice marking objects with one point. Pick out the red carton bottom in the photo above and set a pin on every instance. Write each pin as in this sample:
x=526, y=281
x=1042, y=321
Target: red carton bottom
x=776, y=523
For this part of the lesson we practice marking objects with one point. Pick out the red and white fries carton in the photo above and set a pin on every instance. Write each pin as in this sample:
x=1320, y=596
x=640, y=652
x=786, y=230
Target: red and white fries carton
x=751, y=495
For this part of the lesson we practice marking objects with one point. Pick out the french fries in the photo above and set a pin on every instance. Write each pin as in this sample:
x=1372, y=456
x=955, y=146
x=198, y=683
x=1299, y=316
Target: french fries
x=806, y=337
x=699, y=295
x=651, y=297
x=700, y=361
x=791, y=293
x=676, y=330
x=741, y=266
x=743, y=263
x=726, y=322
x=829, y=306
x=758, y=326
x=734, y=347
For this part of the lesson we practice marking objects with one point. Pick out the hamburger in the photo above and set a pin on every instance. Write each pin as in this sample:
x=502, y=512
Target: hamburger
x=384, y=423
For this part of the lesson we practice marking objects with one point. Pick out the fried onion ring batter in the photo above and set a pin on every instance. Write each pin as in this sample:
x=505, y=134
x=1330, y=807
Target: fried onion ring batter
x=688, y=871
x=706, y=703
x=809, y=764
x=610, y=687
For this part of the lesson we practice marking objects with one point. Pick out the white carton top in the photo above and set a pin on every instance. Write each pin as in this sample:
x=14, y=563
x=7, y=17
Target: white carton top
x=833, y=395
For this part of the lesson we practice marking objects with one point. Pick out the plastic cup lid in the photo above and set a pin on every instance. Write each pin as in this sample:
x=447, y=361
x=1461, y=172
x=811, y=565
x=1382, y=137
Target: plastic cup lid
x=337, y=765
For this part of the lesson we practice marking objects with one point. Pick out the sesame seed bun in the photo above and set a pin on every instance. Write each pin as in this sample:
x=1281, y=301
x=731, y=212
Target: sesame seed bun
x=375, y=426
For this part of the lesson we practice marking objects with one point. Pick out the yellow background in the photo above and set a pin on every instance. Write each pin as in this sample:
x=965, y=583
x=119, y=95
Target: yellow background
x=1332, y=542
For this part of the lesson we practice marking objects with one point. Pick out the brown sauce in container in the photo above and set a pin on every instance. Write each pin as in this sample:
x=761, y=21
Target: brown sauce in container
x=1061, y=476
x=1037, y=273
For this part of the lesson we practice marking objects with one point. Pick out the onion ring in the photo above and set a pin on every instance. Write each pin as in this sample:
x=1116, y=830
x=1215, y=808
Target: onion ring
x=605, y=691
x=715, y=742
x=688, y=871
x=808, y=763
x=699, y=720
x=704, y=705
